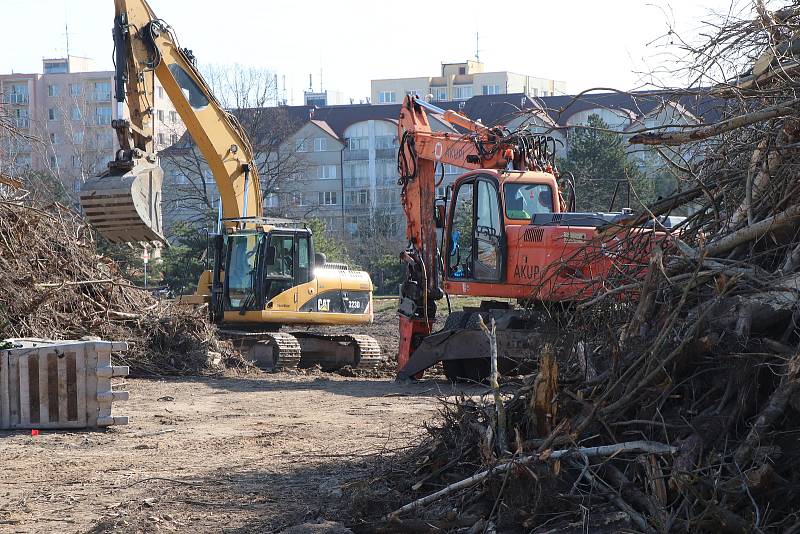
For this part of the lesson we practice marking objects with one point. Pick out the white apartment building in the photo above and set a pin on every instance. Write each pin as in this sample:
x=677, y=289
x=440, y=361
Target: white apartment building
x=64, y=115
x=462, y=81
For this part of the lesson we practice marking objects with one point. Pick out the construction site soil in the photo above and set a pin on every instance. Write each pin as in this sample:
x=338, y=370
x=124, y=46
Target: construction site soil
x=251, y=454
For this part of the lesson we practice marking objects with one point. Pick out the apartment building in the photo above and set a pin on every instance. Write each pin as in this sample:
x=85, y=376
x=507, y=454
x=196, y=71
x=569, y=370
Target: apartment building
x=340, y=166
x=65, y=114
x=462, y=81
x=343, y=158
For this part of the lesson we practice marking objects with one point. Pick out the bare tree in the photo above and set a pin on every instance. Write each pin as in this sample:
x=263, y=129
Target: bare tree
x=250, y=94
x=375, y=244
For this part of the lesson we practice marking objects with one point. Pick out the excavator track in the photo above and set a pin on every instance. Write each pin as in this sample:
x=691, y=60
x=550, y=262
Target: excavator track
x=334, y=351
x=269, y=350
x=284, y=348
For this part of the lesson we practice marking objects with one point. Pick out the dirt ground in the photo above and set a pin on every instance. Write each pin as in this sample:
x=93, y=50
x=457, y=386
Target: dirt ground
x=230, y=454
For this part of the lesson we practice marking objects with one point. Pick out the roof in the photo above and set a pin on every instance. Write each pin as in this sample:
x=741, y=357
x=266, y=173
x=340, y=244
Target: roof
x=275, y=124
x=339, y=118
x=639, y=104
x=324, y=126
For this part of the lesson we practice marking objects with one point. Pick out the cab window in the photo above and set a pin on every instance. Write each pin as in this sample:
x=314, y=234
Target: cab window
x=523, y=201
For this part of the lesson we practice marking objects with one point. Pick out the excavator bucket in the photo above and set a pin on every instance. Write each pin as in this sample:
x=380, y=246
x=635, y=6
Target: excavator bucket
x=125, y=206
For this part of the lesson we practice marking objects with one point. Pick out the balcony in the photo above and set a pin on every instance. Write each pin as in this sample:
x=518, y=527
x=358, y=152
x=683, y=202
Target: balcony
x=20, y=122
x=351, y=155
x=102, y=120
x=16, y=98
x=386, y=153
x=101, y=96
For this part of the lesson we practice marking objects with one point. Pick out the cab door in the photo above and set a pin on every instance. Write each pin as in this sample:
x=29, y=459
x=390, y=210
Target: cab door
x=279, y=271
x=476, y=238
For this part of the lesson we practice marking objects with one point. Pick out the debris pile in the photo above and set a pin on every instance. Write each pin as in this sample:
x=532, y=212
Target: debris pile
x=677, y=405
x=55, y=285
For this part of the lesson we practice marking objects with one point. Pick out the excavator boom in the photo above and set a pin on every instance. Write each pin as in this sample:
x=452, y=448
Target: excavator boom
x=124, y=202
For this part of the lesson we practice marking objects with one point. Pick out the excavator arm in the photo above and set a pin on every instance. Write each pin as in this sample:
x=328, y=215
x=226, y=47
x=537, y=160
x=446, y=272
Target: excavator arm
x=421, y=150
x=124, y=202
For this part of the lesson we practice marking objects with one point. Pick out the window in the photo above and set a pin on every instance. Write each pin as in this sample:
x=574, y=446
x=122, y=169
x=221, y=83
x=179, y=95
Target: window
x=102, y=91
x=160, y=91
x=76, y=162
x=387, y=97
x=298, y=198
x=272, y=200
x=462, y=70
x=491, y=89
x=53, y=137
x=358, y=143
x=239, y=272
x=103, y=115
x=525, y=200
x=487, y=233
x=462, y=92
x=385, y=141
x=75, y=113
x=357, y=198
x=53, y=162
x=173, y=139
x=52, y=90
x=75, y=89
x=460, y=240
x=160, y=115
x=161, y=139
x=326, y=172
x=320, y=144
x=173, y=116
x=439, y=93
x=78, y=137
x=56, y=67
x=303, y=260
x=327, y=198
x=351, y=224
x=52, y=114
x=300, y=145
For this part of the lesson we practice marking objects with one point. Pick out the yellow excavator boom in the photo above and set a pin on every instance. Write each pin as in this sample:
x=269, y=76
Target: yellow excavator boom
x=124, y=202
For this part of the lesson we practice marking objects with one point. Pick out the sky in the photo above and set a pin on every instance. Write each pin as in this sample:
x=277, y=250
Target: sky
x=586, y=43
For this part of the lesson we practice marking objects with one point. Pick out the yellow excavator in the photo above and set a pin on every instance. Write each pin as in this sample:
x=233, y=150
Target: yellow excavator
x=264, y=272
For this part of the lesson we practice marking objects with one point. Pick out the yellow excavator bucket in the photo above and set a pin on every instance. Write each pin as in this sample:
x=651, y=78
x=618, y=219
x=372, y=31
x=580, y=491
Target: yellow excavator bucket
x=125, y=206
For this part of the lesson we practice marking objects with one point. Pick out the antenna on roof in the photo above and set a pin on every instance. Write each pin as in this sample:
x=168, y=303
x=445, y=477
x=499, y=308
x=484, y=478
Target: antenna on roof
x=310, y=83
x=477, y=47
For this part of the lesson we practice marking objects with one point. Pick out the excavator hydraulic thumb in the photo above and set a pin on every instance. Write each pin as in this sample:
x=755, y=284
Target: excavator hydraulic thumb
x=124, y=203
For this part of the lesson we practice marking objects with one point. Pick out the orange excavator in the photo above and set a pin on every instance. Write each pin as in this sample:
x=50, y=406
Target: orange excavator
x=503, y=230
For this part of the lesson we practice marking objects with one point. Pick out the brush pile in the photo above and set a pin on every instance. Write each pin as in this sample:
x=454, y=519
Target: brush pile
x=677, y=405
x=55, y=285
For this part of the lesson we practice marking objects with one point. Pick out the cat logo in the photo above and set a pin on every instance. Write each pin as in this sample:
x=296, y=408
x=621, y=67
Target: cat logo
x=324, y=304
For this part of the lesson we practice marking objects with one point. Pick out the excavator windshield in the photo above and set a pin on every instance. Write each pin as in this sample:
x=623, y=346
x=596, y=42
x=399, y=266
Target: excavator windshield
x=525, y=200
x=241, y=273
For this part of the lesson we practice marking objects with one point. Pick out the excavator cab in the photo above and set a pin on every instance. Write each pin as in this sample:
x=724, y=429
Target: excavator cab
x=124, y=203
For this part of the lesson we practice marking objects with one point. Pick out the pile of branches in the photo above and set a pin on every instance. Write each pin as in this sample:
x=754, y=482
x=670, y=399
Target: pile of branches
x=55, y=285
x=673, y=403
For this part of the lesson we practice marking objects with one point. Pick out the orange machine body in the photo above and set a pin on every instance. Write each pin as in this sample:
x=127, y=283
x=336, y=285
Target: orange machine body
x=506, y=232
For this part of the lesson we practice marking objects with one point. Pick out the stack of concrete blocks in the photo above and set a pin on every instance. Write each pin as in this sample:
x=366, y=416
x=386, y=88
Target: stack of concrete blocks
x=59, y=384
